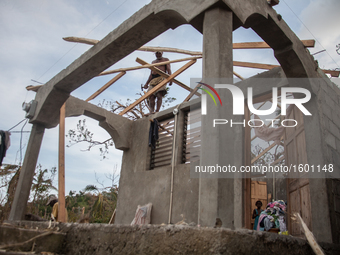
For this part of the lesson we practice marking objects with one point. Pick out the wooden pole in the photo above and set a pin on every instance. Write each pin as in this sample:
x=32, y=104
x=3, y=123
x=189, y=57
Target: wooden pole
x=254, y=65
x=148, y=66
x=242, y=45
x=238, y=76
x=165, y=75
x=192, y=93
x=61, y=170
x=156, y=88
x=107, y=85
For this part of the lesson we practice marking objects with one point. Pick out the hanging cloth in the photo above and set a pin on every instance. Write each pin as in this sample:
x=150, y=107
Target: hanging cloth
x=153, y=133
x=5, y=142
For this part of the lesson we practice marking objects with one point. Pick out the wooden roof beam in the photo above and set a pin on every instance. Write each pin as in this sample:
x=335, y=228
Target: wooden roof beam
x=242, y=45
x=157, y=87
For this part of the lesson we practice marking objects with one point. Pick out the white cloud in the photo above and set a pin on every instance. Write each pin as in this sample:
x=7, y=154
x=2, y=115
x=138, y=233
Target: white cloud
x=321, y=19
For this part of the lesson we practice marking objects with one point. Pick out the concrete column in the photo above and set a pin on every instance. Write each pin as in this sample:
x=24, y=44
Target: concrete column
x=222, y=145
x=26, y=175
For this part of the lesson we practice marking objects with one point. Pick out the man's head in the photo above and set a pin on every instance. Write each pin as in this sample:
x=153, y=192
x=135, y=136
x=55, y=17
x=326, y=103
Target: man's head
x=159, y=54
x=52, y=200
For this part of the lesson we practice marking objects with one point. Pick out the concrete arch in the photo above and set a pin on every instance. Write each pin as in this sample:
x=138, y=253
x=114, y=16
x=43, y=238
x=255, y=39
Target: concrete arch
x=117, y=126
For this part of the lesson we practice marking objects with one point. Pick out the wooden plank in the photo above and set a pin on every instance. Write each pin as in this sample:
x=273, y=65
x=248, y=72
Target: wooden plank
x=107, y=85
x=164, y=145
x=242, y=45
x=147, y=66
x=156, y=88
x=161, y=154
x=161, y=164
x=194, y=92
x=294, y=208
x=254, y=65
x=264, y=45
x=165, y=139
x=168, y=125
x=81, y=40
x=333, y=73
x=33, y=88
x=61, y=170
x=162, y=160
x=306, y=206
x=238, y=76
x=165, y=75
x=164, y=155
x=263, y=152
x=277, y=161
x=162, y=151
x=269, y=67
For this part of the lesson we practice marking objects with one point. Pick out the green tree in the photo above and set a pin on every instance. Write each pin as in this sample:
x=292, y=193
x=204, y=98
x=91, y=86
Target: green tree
x=105, y=201
x=41, y=186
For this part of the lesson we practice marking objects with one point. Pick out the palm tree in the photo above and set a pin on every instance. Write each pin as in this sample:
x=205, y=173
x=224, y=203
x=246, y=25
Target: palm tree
x=41, y=185
x=104, y=199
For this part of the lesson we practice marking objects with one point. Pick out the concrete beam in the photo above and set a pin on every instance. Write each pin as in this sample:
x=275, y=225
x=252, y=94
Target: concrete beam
x=26, y=175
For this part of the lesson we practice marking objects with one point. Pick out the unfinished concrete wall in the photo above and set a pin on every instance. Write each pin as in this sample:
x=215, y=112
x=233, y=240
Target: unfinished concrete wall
x=138, y=185
x=328, y=102
x=150, y=239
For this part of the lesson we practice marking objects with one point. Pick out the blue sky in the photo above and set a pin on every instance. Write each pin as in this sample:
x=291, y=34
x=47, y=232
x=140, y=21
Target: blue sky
x=32, y=48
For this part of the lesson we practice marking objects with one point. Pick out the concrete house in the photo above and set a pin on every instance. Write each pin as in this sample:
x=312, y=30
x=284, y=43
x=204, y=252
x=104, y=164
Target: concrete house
x=164, y=179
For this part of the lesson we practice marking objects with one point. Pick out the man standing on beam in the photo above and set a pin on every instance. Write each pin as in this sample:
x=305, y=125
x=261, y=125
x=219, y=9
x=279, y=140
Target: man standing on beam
x=155, y=79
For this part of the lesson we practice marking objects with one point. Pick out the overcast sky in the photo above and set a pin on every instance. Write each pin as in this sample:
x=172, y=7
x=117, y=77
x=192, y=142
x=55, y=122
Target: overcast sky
x=32, y=49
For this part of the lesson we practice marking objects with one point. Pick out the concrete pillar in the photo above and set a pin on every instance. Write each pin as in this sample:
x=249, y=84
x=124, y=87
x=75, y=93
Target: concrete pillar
x=222, y=145
x=26, y=175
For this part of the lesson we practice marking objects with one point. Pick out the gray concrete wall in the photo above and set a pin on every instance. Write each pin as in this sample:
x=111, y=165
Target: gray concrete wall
x=328, y=103
x=151, y=239
x=139, y=185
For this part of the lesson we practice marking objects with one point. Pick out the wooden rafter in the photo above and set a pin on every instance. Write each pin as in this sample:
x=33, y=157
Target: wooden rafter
x=333, y=73
x=242, y=45
x=264, y=45
x=107, y=85
x=156, y=88
x=148, y=66
x=192, y=93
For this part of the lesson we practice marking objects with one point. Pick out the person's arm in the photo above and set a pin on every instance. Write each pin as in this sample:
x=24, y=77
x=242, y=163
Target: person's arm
x=147, y=82
x=254, y=214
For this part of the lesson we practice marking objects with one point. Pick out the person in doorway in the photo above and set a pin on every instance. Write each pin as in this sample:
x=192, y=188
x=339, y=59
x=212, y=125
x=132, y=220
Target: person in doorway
x=256, y=213
x=154, y=79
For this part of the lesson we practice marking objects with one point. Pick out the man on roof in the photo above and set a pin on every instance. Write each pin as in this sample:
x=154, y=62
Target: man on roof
x=154, y=80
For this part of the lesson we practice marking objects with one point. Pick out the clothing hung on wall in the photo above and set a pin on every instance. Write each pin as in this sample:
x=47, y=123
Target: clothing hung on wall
x=153, y=133
x=5, y=142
